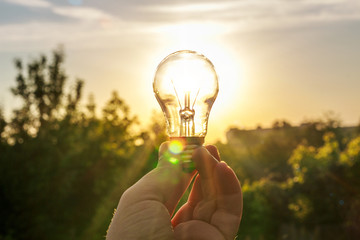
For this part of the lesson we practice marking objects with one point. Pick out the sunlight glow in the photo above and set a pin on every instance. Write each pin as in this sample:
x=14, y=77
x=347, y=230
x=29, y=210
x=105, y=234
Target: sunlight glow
x=209, y=39
x=187, y=32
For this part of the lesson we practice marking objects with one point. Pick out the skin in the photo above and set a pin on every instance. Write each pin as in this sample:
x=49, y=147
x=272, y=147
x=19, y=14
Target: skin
x=213, y=209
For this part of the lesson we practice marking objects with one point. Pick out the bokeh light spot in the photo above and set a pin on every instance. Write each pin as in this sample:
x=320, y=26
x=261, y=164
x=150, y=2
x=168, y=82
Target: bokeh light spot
x=176, y=147
x=173, y=160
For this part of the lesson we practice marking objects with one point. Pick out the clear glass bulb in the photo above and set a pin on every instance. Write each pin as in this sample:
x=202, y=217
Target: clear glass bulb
x=186, y=86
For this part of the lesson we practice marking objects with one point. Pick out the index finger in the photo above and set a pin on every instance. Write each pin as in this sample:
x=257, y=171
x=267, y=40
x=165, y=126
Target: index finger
x=227, y=216
x=205, y=164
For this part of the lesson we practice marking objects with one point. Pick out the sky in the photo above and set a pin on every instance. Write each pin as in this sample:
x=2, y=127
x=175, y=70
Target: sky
x=276, y=59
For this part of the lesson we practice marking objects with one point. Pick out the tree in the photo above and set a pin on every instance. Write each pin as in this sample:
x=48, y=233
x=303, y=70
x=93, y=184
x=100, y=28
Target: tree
x=41, y=88
x=63, y=162
x=2, y=125
x=328, y=180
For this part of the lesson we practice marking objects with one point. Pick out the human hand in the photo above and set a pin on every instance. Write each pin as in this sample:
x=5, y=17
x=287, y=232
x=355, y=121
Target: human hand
x=213, y=210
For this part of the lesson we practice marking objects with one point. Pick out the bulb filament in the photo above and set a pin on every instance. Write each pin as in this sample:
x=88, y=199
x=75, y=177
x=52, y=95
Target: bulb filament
x=187, y=128
x=177, y=96
x=187, y=118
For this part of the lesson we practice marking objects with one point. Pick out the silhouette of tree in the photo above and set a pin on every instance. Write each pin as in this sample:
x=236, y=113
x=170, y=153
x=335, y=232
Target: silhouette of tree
x=62, y=162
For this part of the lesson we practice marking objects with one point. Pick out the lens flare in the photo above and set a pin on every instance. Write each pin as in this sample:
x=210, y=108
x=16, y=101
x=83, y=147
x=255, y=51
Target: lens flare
x=173, y=160
x=176, y=147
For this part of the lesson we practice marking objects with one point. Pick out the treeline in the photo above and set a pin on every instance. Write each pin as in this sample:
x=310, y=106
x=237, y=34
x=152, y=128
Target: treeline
x=64, y=166
x=298, y=182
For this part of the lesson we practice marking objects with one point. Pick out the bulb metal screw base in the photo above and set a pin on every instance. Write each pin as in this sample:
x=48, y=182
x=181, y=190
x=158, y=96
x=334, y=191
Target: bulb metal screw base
x=188, y=165
x=199, y=141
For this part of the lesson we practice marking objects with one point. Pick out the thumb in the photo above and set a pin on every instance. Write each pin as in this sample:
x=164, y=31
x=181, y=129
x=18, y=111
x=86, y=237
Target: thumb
x=167, y=182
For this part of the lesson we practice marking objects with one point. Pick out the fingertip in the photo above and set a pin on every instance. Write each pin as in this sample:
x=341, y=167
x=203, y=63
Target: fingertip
x=163, y=147
x=227, y=181
x=200, y=156
x=204, y=162
x=213, y=151
x=199, y=151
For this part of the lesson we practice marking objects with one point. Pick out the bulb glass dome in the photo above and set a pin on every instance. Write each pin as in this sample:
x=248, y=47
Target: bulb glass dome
x=186, y=86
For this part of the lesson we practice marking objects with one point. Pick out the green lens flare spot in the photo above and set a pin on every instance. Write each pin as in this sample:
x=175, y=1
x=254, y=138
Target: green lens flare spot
x=176, y=147
x=173, y=160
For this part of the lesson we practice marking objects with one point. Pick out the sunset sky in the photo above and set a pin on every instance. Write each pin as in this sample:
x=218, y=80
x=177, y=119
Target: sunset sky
x=276, y=59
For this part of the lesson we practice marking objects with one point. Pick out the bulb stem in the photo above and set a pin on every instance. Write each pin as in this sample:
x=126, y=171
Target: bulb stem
x=187, y=128
x=187, y=100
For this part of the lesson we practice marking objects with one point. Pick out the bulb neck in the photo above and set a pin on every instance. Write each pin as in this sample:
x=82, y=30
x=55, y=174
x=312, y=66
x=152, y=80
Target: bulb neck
x=187, y=127
x=190, y=140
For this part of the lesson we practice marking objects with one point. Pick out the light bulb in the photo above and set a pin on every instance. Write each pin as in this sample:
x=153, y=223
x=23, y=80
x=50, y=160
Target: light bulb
x=186, y=86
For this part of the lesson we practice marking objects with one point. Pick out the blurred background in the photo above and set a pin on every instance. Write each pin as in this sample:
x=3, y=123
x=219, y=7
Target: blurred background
x=79, y=122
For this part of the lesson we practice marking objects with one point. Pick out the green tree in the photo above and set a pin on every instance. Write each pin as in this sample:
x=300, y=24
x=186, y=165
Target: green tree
x=3, y=124
x=59, y=163
x=327, y=177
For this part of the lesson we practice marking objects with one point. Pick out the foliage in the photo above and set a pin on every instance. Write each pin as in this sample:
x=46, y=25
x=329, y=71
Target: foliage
x=58, y=162
x=317, y=195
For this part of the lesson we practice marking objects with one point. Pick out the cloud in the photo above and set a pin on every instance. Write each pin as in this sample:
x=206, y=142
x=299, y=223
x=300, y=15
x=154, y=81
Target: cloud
x=82, y=13
x=37, y=36
x=74, y=12
x=256, y=13
x=197, y=19
x=30, y=3
x=189, y=7
x=244, y=14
